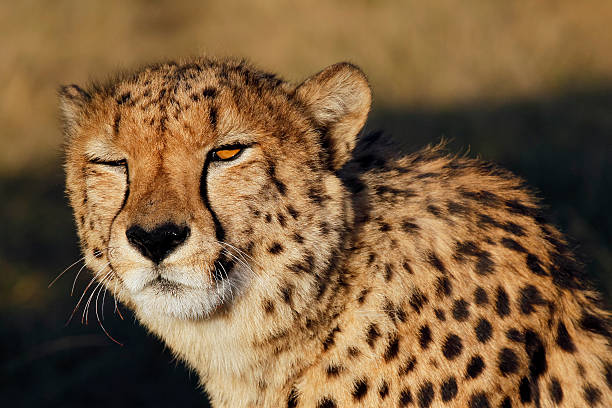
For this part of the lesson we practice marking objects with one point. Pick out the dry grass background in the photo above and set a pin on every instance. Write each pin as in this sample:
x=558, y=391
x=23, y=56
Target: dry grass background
x=416, y=53
x=527, y=83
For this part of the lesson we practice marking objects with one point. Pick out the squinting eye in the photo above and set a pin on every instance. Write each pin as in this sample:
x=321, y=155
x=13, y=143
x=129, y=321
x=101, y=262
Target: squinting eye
x=226, y=154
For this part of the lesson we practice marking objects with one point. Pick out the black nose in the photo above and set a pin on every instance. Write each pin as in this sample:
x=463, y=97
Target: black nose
x=159, y=242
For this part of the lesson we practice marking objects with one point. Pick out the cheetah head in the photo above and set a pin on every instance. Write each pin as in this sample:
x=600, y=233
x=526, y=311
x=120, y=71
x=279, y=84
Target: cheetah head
x=197, y=184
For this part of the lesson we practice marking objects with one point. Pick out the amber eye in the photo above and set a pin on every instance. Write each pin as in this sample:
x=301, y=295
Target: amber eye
x=227, y=154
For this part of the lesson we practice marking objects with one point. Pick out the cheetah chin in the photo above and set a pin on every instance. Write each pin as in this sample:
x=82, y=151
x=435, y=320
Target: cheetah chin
x=292, y=260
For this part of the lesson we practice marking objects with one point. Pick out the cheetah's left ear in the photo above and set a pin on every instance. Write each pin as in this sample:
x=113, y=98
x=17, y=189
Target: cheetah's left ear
x=339, y=100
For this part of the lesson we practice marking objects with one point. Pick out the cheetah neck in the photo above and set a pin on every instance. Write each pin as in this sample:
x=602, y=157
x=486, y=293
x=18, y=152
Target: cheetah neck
x=237, y=365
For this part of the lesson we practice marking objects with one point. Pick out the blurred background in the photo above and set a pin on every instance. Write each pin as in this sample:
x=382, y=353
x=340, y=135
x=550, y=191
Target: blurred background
x=525, y=83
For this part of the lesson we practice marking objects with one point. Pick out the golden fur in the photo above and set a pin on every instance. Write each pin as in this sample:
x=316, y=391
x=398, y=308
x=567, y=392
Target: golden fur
x=318, y=268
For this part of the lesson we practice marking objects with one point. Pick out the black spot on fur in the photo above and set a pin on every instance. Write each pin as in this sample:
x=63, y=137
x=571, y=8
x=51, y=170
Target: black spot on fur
x=276, y=248
x=408, y=366
x=608, y=374
x=362, y=295
x=405, y=397
x=460, y=310
x=566, y=272
x=436, y=262
x=353, y=352
x=452, y=347
x=287, y=293
x=426, y=395
x=525, y=390
x=124, y=98
x=485, y=221
x=529, y=297
x=372, y=335
x=268, y=306
x=564, y=340
x=293, y=212
x=392, y=349
x=424, y=336
x=334, y=370
x=410, y=227
x=483, y=330
x=513, y=229
x=417, y=300
x=315, y=195
x=536, y=354
x=594, y=324
x=513, y=245
x=282, y=220
x=556, y=392
x=443, y=286
x=212, y=117
x=292, y=399
x=384, y=227
x=517, y=208
x=479, y=400
x=209, y=93
x=455, y=208
x=440, y=315
x=97, y=253
x=401, y=315
x=485, y=264
x=533, y=263
x=360, y=389
x=326, y=402
x=502, y=303
x=448, y=389
x=434, y=210
x=506, y=403
x=388, y=272
x=507, y=361
x=307, y=265
x=324, y=228
x=483, y=197
x=480, y=296
x=383, y=391
x=330, y=340
x=116, y=123
x=474, y=367
x=514, y=335
x=298, y=238
x=466, y=248
x=592, y=395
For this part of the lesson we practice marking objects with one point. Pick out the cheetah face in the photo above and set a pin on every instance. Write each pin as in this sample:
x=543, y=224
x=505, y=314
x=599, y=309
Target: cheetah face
x=195, y=184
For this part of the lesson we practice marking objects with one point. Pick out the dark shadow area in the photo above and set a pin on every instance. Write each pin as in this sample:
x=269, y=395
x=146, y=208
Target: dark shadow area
x=562, y=146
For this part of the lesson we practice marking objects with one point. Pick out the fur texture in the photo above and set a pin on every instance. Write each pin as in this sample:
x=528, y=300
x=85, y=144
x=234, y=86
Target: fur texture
x=317, y=268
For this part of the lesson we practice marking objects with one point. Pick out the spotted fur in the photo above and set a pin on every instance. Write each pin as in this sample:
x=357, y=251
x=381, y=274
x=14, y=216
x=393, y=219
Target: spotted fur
x=321, y=268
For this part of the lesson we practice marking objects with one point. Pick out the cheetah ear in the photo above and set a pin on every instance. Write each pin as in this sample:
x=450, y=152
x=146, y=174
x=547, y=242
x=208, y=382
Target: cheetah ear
x=73, y=101
x=339, y=100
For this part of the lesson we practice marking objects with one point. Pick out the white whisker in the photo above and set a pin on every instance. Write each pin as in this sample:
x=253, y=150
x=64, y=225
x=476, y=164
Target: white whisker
x=64, y=271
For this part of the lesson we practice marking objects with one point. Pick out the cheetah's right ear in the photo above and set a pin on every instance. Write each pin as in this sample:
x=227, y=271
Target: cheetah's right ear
x=73, y=101
x=339, y=100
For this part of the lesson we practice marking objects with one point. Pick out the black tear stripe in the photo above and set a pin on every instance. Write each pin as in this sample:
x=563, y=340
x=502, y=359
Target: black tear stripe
x=219, y=231
x=126, y=194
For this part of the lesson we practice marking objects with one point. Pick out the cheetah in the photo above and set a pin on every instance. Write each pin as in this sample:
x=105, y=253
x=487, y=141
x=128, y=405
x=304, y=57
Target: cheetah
x=292, y=261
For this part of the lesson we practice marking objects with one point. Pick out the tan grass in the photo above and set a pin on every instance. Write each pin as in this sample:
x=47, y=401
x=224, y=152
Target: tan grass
x=416, y=53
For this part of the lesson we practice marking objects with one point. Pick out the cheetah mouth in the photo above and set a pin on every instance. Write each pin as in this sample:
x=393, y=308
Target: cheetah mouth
x=162, y=284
